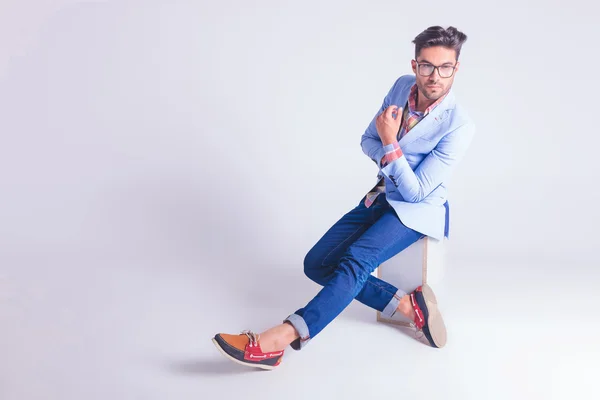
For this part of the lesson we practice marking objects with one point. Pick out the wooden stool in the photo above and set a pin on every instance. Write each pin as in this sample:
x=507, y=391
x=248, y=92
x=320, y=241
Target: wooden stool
x=422, y=262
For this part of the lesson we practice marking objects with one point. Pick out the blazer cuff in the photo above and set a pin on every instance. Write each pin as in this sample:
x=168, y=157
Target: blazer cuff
x=395, y=172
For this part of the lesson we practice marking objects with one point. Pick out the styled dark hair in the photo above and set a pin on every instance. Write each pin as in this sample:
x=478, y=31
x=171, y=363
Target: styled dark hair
x=450, y=38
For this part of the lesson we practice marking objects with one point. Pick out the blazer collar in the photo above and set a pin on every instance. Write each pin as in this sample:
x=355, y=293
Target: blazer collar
x=438, y=115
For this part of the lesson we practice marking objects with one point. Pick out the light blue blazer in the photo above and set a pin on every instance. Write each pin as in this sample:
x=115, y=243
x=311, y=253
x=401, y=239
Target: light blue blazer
x=416, y=183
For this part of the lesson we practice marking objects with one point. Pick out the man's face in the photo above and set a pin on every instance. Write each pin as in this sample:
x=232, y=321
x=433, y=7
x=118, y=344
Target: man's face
x=435, y=86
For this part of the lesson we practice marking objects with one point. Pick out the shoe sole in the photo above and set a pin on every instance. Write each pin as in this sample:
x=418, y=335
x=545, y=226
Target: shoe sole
x=261, y=366
x=437, y=328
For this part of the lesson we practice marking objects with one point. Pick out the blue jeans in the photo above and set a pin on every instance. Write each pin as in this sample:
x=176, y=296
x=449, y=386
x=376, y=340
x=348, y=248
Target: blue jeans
x=343, y=260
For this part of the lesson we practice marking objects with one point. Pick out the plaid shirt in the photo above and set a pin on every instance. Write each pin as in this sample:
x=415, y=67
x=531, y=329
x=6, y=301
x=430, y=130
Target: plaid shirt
x=410, y=118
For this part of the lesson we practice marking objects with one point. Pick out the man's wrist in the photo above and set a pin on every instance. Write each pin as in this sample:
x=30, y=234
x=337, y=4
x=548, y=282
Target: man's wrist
x=392, y=153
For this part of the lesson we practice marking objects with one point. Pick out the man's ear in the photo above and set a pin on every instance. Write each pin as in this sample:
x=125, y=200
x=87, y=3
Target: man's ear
x=413, y=64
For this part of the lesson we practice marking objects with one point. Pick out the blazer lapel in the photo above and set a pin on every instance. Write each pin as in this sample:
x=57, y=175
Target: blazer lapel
x=430, y=121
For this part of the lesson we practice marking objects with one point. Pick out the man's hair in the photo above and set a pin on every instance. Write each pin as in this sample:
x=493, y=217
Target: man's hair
x=450, y=38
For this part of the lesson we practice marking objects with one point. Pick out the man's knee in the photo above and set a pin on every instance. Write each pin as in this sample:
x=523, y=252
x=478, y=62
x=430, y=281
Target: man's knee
x=313, y=267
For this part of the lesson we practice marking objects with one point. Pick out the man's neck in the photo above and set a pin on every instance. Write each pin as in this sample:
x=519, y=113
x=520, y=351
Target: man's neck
x=423, y=102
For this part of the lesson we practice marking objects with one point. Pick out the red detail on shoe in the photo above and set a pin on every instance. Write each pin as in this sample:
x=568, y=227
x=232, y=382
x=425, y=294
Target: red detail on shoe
x=253, y=352
x=419, y=316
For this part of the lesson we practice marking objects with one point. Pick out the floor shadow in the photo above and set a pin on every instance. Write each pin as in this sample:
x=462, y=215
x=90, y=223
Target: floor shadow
x=359, y=312
x=212, y=366
x=408, y=332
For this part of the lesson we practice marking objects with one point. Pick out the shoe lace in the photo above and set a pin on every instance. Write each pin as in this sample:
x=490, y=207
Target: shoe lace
x=252, y=336
x=412, y=323
x=418, y=332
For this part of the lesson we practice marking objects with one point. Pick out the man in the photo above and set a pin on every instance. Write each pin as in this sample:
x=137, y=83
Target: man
x=416, y=139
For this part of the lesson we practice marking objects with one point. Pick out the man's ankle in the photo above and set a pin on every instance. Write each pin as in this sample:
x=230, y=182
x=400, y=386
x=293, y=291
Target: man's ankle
x=278, y=338
x=405, y=307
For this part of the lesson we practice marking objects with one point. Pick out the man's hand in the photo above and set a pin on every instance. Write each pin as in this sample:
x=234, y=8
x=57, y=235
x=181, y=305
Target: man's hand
x=388, y=126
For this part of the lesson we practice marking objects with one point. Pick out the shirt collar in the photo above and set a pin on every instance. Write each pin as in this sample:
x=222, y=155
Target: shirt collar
x=412, y=102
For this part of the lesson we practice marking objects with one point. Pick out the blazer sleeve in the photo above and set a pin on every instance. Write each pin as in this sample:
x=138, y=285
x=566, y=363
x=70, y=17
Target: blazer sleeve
x=370, y=142
x=415, y=185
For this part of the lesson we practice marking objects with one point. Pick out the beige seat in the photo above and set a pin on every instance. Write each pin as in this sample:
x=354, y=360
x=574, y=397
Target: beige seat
x=422, y=262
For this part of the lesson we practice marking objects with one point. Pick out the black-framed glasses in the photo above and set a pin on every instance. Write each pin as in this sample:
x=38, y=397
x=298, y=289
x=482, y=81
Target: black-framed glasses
x=426, y=69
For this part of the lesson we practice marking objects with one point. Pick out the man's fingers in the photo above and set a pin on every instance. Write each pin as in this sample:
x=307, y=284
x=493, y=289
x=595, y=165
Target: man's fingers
x=388, y=113
x=391, y=109
x=399, y=114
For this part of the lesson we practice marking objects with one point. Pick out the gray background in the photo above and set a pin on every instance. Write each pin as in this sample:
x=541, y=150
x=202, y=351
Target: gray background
x=165, y=167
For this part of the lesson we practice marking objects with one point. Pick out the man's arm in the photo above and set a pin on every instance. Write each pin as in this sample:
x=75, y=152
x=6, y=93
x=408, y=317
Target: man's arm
x=415, y=185
x=370, y=142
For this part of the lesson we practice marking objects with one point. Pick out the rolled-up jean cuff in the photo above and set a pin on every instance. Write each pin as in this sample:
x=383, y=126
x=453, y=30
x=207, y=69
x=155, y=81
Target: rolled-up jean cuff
x=300, y=325
x=392, y=306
